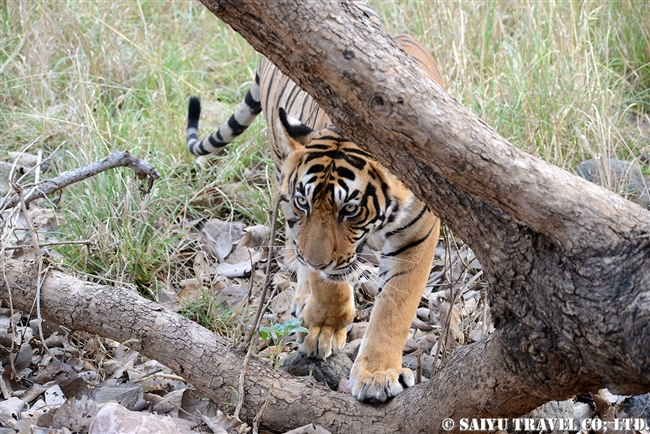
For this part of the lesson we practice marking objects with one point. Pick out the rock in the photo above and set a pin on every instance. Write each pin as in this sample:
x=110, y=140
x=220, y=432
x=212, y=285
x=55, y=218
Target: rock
x=411, y=362
x=351, y=349
x=622, y=177
x=427, y=342
x=328, y=371
x=410, y=346
x=357, y=330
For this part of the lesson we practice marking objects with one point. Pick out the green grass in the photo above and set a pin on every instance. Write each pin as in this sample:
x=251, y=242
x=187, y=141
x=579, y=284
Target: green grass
x=566, y=81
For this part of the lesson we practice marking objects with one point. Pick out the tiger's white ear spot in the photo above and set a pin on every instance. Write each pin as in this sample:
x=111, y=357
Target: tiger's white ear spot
x=296, y=134
x=293, y=121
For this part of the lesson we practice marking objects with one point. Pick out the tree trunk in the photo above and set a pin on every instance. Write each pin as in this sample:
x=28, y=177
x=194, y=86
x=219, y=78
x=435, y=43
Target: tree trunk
x=565, y=259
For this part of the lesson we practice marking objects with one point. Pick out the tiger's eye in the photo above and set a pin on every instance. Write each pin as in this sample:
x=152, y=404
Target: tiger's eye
x=300, y=201
x=350, y=208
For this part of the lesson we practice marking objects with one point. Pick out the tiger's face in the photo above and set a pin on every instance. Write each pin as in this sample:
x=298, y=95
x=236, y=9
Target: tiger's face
x=336, y=196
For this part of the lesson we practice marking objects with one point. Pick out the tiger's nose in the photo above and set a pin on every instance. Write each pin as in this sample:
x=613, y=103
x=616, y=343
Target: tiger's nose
x=319, y=266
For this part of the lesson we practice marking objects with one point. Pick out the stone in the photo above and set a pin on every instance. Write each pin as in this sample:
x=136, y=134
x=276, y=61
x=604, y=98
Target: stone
x=328, y=371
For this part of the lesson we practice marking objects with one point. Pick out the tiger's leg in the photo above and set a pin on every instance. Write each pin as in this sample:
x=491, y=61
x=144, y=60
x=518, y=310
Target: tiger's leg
x=303, y=291
x=328, y=312
x=377, y=373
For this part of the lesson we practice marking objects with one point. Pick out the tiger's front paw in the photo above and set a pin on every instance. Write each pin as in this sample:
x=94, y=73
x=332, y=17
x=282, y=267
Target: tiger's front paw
x=323, y=340
x=378, y=386
x=327, y=309
x=298, y=304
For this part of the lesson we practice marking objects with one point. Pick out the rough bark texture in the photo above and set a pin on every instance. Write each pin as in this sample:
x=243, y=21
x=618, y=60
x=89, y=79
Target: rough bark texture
x=207, y=361
x=566, y=260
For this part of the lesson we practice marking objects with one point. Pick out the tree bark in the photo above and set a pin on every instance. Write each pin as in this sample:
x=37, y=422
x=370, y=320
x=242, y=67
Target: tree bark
x=566, y=260
x=206, y=361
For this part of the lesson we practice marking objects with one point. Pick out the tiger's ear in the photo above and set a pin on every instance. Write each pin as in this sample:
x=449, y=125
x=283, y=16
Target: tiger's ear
x=294, y=134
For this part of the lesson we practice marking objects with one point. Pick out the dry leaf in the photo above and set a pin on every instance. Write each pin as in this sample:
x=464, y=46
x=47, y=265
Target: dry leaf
x=241, y=269
x=255, y=236
x=603, y=406
x=127, y=394
x=75, y=415
x=54, y=396
x=10, y=410
x=218, y=237
x=232, y=296
x=281, y=306
x=309, y=429
x=240, y=254
x=222, y=423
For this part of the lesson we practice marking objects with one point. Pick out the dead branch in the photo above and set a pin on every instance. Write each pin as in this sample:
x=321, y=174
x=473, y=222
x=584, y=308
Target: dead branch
x=142, y=169
x=207, y=361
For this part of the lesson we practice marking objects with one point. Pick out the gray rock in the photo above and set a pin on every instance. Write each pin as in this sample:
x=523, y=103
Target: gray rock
x=328, y=371
x=622, y=177
x=412, y=363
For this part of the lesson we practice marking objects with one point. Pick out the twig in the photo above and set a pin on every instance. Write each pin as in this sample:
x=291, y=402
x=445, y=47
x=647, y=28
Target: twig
x=260, y=414
x=260, y=308
x=418, y=376
x=160, y=375
x=42, y=273
x=267, y=278
x=87, y=242
x=142, y=169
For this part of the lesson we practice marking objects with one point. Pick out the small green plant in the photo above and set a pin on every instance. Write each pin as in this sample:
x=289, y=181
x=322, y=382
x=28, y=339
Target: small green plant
x=277, y=332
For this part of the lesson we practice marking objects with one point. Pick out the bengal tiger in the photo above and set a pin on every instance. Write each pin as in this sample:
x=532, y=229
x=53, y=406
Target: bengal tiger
x=336, y=198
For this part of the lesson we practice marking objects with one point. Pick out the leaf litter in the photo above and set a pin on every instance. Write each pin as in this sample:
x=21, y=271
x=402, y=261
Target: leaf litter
x=62, y=381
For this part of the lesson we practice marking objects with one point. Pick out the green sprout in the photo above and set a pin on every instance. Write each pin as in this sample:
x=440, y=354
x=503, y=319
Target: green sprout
x=278, y=331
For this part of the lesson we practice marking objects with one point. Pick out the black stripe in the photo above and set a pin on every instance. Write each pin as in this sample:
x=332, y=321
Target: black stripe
x=316, y=168
x=318, y=146
x=346, y=173
x=214, y=142
x=235, y=126
x=345, y=187
x=358, y=151
x=193, y=112
x=409, y=224
x=336, y=139
x=293, y=95
x=255, y=106
x=357, y=163
x=409, y=245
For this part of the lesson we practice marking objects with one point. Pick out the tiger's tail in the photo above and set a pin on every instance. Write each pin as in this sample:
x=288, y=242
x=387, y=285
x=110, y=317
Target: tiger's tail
x=241, y=119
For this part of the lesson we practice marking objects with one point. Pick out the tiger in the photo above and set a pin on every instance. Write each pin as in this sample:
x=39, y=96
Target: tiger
x=336, y=199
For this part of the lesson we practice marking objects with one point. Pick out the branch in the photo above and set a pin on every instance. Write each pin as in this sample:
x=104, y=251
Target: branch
x=378, y=98
x=211, y=364
x=205, y=360
x=566, y=260
x=142, y=169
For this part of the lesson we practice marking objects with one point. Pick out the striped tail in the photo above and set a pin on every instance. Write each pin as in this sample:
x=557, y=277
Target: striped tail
x=244, y=115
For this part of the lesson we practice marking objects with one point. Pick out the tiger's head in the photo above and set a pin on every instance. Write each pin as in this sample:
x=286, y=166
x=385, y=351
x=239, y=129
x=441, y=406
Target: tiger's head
x=336, y=197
